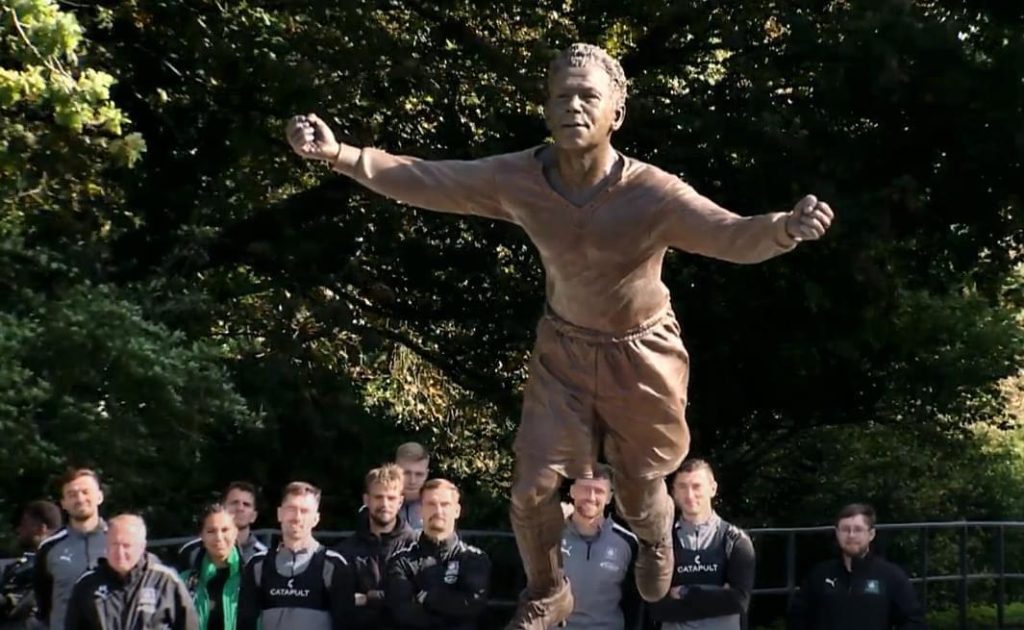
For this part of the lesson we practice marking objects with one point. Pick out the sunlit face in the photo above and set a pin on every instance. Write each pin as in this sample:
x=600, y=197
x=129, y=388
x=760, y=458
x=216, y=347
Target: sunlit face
x=125, y=545
x=590, y=497
x=81, y=498
x=219, y=535
x=298, y=515
x=440, y=510
x=415, y=474
x=854, y=536
x=241, y=505
x=693, y=491
x=383, y=500
x=582, y=109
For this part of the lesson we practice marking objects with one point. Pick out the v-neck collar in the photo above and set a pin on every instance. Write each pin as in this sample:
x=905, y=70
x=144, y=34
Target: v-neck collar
x=613, y=183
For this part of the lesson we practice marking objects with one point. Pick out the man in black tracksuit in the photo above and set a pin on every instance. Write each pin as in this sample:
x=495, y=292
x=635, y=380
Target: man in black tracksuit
x=39, y=520
x=438, y=582
x=858, y=590
x=130, y=589
x=380, y=533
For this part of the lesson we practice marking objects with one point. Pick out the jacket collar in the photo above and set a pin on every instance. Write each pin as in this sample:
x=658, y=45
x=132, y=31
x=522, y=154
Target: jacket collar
x=606, y=526
x=363, y=528
x=687, y=527
x=99, y=529
x=858, y=565
x=443, y=547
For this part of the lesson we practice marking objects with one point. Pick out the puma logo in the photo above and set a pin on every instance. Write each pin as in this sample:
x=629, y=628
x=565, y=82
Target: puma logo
x=831, y=582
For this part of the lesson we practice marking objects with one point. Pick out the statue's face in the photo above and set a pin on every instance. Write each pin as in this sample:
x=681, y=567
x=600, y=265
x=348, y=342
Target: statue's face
x=581, y=109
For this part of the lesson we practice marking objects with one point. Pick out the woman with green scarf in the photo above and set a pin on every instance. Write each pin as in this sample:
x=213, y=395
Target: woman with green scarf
x=215, y=577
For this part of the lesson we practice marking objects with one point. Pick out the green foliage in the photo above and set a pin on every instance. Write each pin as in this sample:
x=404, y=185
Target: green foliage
x=948, y=617
x=86, y=377
x=350, y=323
x=87, y=380
x=978, y=616
x=51, y=104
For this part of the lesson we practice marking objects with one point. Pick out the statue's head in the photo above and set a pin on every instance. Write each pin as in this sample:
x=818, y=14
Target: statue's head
x=586, y=99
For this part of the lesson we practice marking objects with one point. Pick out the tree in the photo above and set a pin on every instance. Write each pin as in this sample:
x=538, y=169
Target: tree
x=85, y=377
x=348, y=319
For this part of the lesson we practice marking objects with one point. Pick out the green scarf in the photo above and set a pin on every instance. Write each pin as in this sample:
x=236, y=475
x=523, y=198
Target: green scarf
x=197, y=582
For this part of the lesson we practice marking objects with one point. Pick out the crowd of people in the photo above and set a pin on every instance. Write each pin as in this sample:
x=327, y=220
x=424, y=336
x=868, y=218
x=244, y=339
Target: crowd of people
x=406, y=567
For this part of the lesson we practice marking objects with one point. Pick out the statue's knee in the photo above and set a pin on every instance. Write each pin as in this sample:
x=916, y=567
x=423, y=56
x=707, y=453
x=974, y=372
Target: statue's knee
x=531, y=491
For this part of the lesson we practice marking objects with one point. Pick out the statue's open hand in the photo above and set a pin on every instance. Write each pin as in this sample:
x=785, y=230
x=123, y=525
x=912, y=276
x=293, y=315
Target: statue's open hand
x=311, y=138
x=809, y=219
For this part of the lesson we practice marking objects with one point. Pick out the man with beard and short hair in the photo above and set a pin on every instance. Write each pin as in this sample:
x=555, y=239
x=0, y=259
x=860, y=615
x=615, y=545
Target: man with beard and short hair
x=438, y=582
x=240, y=500
x=858, y=590
x=414, y=460
x=598, y=555
x=380, y=533
x=714, y=573
x=301, y=584
x=38, y=521
x=609, y=370
x=72, y=551
x=129, y=589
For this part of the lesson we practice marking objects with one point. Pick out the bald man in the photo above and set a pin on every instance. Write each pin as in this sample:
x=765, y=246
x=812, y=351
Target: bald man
x=130, y=589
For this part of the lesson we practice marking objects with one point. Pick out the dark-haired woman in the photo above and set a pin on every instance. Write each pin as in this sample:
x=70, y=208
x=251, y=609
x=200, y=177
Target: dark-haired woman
x=215, y=576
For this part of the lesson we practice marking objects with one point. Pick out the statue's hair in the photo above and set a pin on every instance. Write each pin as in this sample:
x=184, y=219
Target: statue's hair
x=583, y=55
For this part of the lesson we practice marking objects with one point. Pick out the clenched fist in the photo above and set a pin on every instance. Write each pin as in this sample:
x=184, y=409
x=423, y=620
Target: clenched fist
x=311, y=138
x=809, y=219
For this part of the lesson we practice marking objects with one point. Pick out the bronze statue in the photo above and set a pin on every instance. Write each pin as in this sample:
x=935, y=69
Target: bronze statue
x=609, y=368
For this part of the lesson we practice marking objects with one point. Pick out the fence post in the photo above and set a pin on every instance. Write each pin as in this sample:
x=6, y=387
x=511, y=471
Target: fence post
x=924, y=568
x=963, y=578
x=1001, y=570
x=790, y=565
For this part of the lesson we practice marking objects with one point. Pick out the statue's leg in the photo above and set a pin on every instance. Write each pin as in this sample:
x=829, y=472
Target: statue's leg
x=538, y=522
x=641, y=403
x=555, y=440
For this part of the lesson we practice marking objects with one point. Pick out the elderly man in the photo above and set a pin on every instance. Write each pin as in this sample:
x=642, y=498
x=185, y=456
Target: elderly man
x=130, y=589
x=609, y=367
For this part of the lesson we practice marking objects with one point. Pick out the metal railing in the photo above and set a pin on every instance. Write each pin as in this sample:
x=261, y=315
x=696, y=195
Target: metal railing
x=921, y=575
